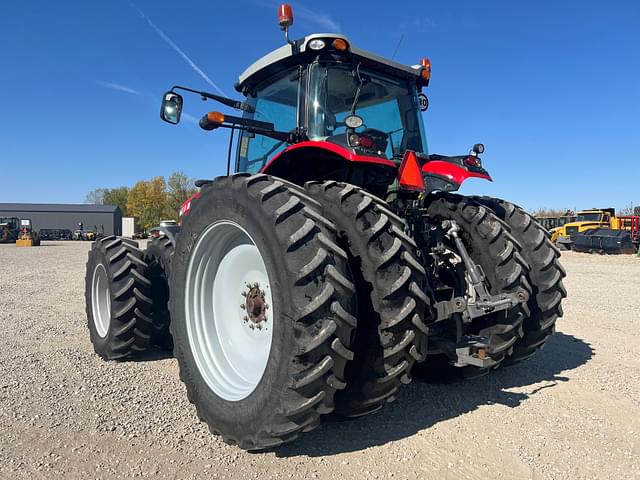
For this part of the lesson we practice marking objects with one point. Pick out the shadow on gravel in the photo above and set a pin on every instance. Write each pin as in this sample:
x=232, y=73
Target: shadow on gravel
x=422, y=405
x=151, y=355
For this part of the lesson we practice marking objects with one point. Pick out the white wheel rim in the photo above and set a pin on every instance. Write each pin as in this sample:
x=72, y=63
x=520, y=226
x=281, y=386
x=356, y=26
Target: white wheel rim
x=229, y=354
x=100, y=300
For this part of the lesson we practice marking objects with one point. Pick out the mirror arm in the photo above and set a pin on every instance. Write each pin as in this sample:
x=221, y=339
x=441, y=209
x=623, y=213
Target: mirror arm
x=283, y=136
x=256, y=126
x=238, y=105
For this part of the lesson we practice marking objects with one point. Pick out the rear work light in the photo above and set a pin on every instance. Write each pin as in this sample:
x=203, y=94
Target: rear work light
x=409, y=175
x=316, y=44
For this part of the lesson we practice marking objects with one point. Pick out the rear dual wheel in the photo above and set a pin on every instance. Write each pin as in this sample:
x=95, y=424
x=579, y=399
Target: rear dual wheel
x=393, y=309
x=492, y=247
x=158, y=256
x=261, y=310
x=545, y=276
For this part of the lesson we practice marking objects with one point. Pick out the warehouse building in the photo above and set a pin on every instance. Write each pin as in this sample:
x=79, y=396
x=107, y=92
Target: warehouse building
x=102, y=218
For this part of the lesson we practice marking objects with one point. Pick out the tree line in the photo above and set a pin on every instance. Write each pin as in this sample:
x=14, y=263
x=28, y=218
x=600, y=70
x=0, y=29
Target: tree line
x=149, y=201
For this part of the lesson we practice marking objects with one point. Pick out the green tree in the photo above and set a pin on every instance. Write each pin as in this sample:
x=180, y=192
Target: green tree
x=147, y=201
x=96, y=197
x=117, y=196
x=179, y=188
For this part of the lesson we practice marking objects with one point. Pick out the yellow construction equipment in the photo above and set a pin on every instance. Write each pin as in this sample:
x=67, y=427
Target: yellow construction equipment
x=584, y=220
x=549, y=223
x=27, y=236
x=603, y=219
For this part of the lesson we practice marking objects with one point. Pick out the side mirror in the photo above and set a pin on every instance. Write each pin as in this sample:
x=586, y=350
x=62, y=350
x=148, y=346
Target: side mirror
x=171, y=107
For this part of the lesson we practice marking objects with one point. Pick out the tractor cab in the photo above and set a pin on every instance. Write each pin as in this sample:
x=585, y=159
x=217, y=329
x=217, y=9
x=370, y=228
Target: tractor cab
x=320, y=107
x=348, y=102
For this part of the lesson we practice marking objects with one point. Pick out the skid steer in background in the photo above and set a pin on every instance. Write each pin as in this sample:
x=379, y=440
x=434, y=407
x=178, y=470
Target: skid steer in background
x=28, y=237
x=335, y=260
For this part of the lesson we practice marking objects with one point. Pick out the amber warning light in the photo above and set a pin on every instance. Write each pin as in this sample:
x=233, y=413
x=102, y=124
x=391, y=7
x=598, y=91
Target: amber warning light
x=426, y=72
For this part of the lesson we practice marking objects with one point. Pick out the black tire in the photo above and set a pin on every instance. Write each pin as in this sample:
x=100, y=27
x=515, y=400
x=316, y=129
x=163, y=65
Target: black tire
x=129, y=328
x=312, y=335
x=545, y=277
x=390, y=285
x=158, y=257
x=491, y=246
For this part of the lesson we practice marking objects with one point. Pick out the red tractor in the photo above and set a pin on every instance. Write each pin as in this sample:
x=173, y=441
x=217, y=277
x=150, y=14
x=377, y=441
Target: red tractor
x=334, y=262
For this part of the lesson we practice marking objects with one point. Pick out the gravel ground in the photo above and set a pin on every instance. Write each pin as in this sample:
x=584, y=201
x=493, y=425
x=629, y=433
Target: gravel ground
x=571, y=412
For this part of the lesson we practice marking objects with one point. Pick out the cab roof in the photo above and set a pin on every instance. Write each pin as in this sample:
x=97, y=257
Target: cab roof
x=299, y=53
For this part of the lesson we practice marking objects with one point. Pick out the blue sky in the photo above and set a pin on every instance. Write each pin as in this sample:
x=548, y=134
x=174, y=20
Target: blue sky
x=552, y=88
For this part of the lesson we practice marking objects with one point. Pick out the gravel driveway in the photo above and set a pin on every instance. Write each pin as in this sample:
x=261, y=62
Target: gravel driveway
x=571, y=412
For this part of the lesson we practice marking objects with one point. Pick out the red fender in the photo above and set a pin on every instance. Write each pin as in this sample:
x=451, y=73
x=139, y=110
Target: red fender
x=186, y=206
x=343, y=152
x=455, y=173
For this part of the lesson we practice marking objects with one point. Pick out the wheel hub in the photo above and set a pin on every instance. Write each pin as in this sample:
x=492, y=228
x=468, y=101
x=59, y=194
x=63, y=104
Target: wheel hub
x=255, y=306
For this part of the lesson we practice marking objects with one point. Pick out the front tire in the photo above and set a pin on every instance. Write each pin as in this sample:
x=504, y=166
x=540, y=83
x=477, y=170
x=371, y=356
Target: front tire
x=258, y=236
x=118, y=299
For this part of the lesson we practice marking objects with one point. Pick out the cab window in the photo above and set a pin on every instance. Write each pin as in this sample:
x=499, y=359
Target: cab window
x=276, y=103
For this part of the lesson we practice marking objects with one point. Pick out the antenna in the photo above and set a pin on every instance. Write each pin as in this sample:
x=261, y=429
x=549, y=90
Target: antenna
x=397, y=46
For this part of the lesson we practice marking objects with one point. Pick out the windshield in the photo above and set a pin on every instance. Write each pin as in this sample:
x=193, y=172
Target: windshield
x=388, y=106
x=588, y=217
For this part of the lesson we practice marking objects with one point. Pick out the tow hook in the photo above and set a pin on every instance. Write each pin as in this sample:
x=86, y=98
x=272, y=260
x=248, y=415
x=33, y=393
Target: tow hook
x=473, y=351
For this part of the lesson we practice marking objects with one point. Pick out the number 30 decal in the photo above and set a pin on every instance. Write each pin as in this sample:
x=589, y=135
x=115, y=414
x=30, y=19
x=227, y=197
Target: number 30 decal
x=423, y=102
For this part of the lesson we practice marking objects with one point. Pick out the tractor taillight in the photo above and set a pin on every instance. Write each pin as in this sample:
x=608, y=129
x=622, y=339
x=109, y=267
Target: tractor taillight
x=285, y=15
x=410, y=175
x=472, y=161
